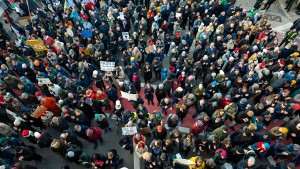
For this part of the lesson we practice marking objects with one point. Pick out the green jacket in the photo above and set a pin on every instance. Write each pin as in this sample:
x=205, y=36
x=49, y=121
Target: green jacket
x=230, y=109
x=218, y=132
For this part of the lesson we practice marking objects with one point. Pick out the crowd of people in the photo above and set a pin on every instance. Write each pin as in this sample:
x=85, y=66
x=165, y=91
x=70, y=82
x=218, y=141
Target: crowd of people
x=220, y=64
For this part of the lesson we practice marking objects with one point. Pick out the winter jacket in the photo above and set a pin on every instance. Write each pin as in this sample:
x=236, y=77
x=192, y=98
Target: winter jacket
x=97, y=133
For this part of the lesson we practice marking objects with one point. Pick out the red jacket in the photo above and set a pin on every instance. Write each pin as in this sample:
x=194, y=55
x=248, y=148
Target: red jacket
x=97, y=133
x=197, y=129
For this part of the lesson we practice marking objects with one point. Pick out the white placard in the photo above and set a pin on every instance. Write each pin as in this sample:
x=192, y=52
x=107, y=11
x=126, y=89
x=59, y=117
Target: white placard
x=128, y=96
x=107, y=66
x=44, y=80
x=121, y=16
x=184, y=162
x=125, y=36
x=128, y=131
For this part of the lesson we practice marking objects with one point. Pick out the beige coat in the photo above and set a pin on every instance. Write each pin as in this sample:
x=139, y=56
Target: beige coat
x=5, y=130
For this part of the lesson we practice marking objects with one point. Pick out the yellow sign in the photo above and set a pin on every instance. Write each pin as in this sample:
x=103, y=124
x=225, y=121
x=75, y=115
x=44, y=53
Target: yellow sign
x=37, y=45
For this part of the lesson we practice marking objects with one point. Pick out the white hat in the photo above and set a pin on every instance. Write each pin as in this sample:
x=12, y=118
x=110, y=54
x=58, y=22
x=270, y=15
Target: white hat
x=24, y=66
x=71, y=154
x=118, y=104
x=179, y=89
x=95, y=73
x=37, y=135
x=222, y=72
x=17, y=122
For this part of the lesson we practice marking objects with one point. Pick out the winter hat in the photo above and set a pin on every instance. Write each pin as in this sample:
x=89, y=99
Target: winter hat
x=236, y=49
x=284, y=130
x=89, y=132
x=182, y=73
x=205, y=57
x=36, y=63
x=23, y=78
x=262, y=64
x=291, y=165
x=293, y=82
x=24, y=66
x=282, y=62
x=228, y=82
x=159, y=128
x=137, y=136
x=179, y=89
x=118, y=104
x=290, y=66
x=223, y=153
x=296, y=54
x=191, y=77
x=95, y=73
x=177, y=34
x=266, y=145
x=97, y=116
x=172, y=69
x=25, y=133
x=214, y=83
x=222, y=72
x=17, y=122
x=213, y=74
x=163, y=156
x=296, y=146
x=210, y=162
x=45, y=64
x=132, y=59
x=244, y=100
x=160, y=86
x=267, y=71
x=88, y=101
x=199, y=123
x=228, y=96
x=37, y=135
x=70, y=154
x=231, y=59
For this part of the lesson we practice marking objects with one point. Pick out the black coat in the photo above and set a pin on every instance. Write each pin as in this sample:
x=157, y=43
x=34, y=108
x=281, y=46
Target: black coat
x=45, y=140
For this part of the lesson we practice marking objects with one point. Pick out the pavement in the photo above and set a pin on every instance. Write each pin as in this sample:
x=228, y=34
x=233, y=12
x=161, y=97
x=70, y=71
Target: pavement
x=276, y=15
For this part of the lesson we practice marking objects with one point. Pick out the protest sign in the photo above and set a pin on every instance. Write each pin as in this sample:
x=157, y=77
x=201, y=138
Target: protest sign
x=126, y=131
x=149, y=49
x=184, y=162
x=45, y=81
x=125, y=36
x=128, y=96
x=107, y=66
x=37, y=45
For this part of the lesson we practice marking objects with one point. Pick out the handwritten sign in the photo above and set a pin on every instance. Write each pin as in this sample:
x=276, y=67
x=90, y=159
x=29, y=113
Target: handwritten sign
x=126, y=131
x=185, y=162
x=128, y=96
x=107, y=66
x=125, y=36
x=45, y=81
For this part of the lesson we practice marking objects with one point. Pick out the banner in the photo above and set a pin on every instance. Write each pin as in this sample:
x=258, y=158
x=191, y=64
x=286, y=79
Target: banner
x=37, y=45
x=107, y=66
x=128, y=96
x=128, y=131
x=149, y=49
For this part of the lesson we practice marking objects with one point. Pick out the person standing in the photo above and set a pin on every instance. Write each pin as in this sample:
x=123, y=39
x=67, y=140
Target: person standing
x=149, y=92
x=288, y=37
x=268, y=4
x=289, y=5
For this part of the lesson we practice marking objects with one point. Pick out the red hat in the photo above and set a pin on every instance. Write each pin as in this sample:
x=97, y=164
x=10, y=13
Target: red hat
x=172, y=69
x=282, y=62
x=38, y=94
x=262, y=64
x=45, y=64
x=177, y=34
x=236, y=49
x=25, y=133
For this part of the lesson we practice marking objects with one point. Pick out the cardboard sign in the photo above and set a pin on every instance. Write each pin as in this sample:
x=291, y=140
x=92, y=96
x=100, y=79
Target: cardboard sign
x=128, y=131
x=45, y=81
x=125, y=36
x=37, y=45
x=39, y=111
x=107, y=66
x=184, y=162
x=149, y=49
x=24, y=21
x=128, y=96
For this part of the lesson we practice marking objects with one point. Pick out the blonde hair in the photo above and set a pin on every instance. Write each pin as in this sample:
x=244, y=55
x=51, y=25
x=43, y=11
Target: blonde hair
x=147, y=156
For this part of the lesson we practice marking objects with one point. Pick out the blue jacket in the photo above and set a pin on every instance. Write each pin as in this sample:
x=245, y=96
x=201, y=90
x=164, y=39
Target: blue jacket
x=164, y=74
x=290, y=150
